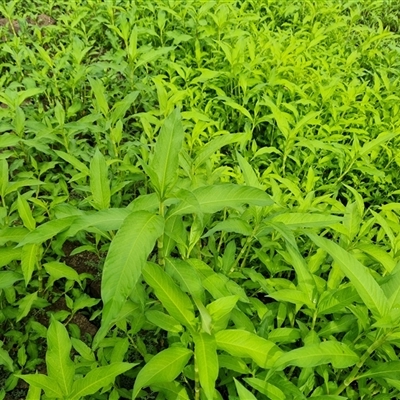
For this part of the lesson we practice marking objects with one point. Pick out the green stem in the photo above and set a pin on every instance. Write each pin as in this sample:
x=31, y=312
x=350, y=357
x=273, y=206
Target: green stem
x=196, y=380
x=160, y=241
x=353, y=374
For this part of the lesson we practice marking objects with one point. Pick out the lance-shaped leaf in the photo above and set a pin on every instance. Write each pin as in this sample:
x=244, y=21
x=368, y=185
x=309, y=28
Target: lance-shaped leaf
x=240, y=343
x=336, y=353
x=214, y=198
x=370, y=292
x=205, y=352
x=98, y=378
x=125, y=259
x=243, y=393
x=47, y=231
x=60, y=367
x=50, y=386
x=266, y=388
x=175, y=301
x=163, y=367
x=171, y=390
x=166, y=154
x=99, y=182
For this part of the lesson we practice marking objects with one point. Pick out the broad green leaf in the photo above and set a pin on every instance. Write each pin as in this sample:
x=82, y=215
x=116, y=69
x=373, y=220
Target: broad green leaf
x=58, y=270
x=44, y=382
x=47, y=231
x=382, y=138
x=25, y=305
x=243, y=393
x=266, y=388
x=336, y=353
x=171, y=390
x=292, y=296
x=97, y=379
x=164, y=321
x=99, y=182
x=78, y=165
x=206, y=359
x=14, y=186
x=29, y=258
x=379, y=255
x=185, y=275
x=99, y=93
x=305, y=280
x=216, y=197
x=233, y=364
x=335, y=300
x=105, y=220
x=249, y=175
x=174, y=300
x=213, y=145
x=3, y=175
x=284, y=335
x=8, y=254
x=235, y=225
x=366, y=286
x=240, y=343
x=5, y=359
x=83, y=349
x=306, y=220
x=34, y=393
x=163, y=367
x=220, y=311
x=388, y=369
x=8, y=278
x=60, y=367
x=14, y=235
x=8, y=140
x=166, y=153
x=127, y=255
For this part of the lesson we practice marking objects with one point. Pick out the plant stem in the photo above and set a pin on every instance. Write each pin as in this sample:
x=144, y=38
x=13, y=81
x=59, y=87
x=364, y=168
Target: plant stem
x=353, y=374
x=160, y=241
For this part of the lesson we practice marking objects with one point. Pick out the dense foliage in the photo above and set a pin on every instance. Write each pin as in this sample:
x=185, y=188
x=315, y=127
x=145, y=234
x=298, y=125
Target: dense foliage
x=199, y=200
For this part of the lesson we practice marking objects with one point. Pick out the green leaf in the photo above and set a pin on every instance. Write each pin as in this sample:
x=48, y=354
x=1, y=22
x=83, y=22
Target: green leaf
x=216, y=197
x=185, y=275
x=336, y=353
x=175, y=301
x=306, y=220
x=58, y=270
x=49, y=385
x=235, y=225
x=164, y=321
x=368, y=289
x=123, y=266
x=29, y=258
x=99, y=182
x=220, y=311
x=47, y=231
x=166, y=153
x=8, y=254
x=206, y=359
x=240, y=343
x=25, y=305
x=333, y=301
x=97, y=379
x=213, y=145
x=171, y=390
x=249, y=175
x=78, y=165
x=60, y=367
x=3, y=174
x=105, y=220
x=388, y=369
x=163, y=367
x=8, y=278
x=99, y=93
x=243, y=393
x=5, y=359
x=266, y=388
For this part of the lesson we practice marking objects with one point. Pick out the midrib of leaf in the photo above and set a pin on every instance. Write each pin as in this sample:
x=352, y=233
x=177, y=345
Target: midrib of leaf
x=161, y=289
x=133, y=247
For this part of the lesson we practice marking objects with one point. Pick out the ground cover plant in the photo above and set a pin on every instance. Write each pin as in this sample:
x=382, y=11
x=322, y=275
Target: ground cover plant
x=199, y=200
